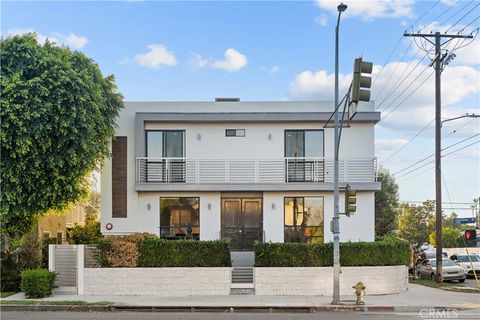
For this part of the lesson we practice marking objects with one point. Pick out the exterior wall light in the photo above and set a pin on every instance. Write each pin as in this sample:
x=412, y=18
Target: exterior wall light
x=199, y=137
x=270, y=136
x=273, y=205
x=149, y=206
x=209, y=206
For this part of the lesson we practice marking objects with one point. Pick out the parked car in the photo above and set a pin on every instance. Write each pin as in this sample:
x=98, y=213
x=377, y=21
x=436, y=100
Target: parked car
x=450, y=271
x=463, y=261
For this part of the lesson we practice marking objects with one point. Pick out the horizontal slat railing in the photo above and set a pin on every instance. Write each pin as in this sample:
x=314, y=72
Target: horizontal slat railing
x=283, y=170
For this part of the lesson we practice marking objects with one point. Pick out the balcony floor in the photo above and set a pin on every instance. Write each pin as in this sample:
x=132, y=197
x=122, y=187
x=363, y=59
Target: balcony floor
x=309, y=186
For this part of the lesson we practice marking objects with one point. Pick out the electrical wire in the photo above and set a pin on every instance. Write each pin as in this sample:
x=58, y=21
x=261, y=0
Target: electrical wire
x=445, y=21
x=463, y=125
x=406, y=98
x=411, y=139
x=463, y=17
x=397, y=84
x=446, y=148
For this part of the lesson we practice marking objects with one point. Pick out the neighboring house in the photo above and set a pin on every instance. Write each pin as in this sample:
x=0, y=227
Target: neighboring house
x=243, y=170
x=56, y=225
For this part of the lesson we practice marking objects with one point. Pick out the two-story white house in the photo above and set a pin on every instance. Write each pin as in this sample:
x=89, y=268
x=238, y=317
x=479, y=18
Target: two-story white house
x=243, y=170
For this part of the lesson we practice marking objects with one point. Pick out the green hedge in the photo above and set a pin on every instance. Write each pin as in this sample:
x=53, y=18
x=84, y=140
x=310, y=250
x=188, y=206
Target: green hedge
x=379, y=253
x=37, y=283
x=155, y=252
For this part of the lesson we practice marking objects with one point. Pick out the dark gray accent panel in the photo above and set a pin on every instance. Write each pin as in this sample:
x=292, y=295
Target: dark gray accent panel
x=119, y=177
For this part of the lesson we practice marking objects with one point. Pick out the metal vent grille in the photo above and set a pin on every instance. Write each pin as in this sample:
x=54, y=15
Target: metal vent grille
x=227, y=99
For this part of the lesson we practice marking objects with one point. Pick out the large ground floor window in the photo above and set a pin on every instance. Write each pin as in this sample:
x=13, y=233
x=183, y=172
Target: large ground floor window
x=304, y=219
x=180, y=218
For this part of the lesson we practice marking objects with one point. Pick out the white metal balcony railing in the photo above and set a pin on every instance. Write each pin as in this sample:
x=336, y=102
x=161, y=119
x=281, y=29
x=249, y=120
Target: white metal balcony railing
x=284, y=170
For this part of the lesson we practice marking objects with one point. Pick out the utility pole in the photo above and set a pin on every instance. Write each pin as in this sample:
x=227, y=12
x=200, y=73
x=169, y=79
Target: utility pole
x=438, y=130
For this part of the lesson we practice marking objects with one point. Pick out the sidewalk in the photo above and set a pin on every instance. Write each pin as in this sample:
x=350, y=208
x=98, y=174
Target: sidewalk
x=415, y=299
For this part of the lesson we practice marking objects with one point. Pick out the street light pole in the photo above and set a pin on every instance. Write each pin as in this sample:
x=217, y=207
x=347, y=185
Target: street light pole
x=336, y=213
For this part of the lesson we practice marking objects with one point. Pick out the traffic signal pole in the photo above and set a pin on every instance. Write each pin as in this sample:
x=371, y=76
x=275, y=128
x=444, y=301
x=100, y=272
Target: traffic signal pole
x=438, y=143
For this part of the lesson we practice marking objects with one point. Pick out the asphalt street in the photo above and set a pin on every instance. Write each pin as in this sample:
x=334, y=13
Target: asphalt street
x=470, y=314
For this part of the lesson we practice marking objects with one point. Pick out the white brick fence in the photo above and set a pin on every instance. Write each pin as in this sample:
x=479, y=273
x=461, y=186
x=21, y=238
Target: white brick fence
x=319, y=281
x=214, y=281
x=157, y=281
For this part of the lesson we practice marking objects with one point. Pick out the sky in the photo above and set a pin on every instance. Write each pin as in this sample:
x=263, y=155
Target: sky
x=283, y=50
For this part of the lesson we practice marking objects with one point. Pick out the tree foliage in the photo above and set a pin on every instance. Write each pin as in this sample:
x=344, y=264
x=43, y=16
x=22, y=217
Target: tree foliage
x=58, y=117
x=451, y=237
x=415, y=223
x=386, y=203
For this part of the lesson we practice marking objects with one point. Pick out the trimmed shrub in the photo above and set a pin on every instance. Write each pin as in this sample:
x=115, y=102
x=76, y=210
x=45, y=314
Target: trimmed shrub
x=155, y=252
x=379, y=253
x=120, y=251
x=37, y=283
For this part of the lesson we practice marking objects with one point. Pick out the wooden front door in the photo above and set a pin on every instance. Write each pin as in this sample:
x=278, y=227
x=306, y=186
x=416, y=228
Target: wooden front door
x=242, y=222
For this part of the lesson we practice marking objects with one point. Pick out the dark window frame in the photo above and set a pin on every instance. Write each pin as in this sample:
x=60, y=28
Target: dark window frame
x=304, y=130
x=184, y=140
x=309, y=226
x=235, y=135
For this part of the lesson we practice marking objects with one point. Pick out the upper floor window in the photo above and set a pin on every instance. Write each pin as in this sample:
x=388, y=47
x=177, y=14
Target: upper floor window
x=165, y=143
x=235, y=132
x=304, y=143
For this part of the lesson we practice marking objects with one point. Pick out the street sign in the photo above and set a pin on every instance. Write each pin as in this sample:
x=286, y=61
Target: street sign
x=464, y=220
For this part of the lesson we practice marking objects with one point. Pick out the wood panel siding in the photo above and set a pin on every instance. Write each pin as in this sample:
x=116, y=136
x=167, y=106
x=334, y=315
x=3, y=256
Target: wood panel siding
x=119, y=177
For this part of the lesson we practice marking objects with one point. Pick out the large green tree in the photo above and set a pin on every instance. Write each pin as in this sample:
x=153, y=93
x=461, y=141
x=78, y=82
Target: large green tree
x=415, y=223
x=386, y=203
x=57, y=119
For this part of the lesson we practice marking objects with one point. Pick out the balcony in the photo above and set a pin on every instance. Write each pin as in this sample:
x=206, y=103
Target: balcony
x=283, y=171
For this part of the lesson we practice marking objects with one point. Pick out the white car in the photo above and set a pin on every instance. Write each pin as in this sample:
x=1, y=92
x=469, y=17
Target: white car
x=463, y=261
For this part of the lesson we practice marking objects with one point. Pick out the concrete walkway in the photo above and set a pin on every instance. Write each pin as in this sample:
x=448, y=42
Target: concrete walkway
x=417, y=297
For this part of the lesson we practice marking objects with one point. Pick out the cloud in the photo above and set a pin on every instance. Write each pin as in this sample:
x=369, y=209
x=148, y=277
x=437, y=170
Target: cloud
x=458, y=84
x=322, y=20
x=234, y=61
x=319, y=85
x=196, y=61
x=72, y=40
x=156, y=56
x=272, y=70
x=384, y=147
x=372, y=9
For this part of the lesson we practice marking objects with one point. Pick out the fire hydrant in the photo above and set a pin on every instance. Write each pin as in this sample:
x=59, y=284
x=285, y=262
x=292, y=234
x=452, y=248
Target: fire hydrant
x=359, y=292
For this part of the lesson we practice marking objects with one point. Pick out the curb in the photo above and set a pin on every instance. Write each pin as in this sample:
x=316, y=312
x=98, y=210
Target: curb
x=222, y=309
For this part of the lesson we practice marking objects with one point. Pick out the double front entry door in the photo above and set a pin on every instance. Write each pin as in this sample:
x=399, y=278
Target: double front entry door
x=242, y=221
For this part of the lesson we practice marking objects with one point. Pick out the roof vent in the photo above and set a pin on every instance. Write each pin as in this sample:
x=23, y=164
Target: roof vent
x=227, y=99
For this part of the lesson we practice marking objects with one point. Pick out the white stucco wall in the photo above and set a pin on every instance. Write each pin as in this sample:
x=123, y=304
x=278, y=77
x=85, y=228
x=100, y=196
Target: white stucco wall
x=165, y=282
x=318, y=281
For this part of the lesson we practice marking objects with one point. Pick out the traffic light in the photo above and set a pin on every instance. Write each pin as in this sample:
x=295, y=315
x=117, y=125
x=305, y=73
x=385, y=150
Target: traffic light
x=470, y=234
x=360, y=84
x=350, y=200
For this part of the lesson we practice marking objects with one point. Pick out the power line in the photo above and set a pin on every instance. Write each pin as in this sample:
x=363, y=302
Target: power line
x=456, y=150
x=397, y=84
x=411, y=139
x=448, y=192
x=463, y=17
x=423, y=15
x=446, y=148
x=463, y=125
x=454, y=14
x=421, y=84
x=445, y=11
x=395, y=68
